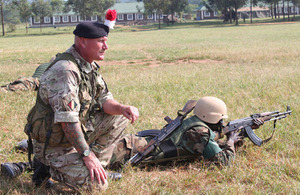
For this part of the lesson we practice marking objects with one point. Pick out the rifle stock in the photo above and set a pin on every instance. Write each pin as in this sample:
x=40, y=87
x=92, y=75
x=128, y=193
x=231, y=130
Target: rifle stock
x=164, y=133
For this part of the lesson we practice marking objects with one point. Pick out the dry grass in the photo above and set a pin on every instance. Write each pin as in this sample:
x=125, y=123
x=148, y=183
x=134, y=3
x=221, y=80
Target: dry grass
x=252, y=68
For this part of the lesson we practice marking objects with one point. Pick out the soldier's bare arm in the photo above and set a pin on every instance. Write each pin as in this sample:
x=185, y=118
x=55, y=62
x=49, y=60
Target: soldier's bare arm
x=74, y=134
x=112, y=107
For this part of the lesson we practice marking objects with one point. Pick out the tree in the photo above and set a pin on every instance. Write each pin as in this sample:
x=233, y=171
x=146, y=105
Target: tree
x=24, y=9
x=41, y=8
x=227, y=5
x=156, y=6
x=2, y=5
x=57, y=6
x=2, y=17
x=252, y=3
x=177, y=6
x=88, y=8
x=236, y=4
x=272, y=4
x=224, y=6
x=283, y=13
x=295, y=4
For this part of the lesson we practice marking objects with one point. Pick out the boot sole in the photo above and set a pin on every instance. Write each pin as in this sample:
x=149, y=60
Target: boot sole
x=7, y=171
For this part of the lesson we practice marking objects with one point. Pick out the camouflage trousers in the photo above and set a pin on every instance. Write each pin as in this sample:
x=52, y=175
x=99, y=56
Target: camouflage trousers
x=23, y=83
x=67, y=166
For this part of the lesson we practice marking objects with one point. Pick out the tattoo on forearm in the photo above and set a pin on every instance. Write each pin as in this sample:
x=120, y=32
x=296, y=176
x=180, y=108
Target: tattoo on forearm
x=75, y=136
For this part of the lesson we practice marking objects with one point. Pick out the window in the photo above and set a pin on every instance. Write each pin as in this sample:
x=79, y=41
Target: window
x=285, y=10
x=140, y=16
x=74, y=18
x=36, y=20
x=159, y=16
x=56, y=19
x=65, y=18
x=80, y=19
x=150, y=16
x=215, y=13
x=94, y=18
x=47, y=19
x=129, y=16
x=120, y=17
x=206, y=13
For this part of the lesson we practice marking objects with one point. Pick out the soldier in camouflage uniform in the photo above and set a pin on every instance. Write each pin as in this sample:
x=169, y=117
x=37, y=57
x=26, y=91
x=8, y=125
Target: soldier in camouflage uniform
x=195, y=137
x=75, y=122
x=26, y=83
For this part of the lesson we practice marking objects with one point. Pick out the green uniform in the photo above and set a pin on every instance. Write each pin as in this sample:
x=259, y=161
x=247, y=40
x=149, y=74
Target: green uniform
x=192, y=139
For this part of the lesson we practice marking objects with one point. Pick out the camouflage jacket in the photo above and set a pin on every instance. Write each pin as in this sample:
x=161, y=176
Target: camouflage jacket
x=68, y=92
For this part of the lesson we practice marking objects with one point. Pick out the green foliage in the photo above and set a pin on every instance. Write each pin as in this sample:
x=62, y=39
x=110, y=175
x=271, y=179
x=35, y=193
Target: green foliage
x=23, y=7
x=11, y=27
x=158, y=6
x=57, y=5
x=253, y=68
x=41, y=8
x=177, y=6
x=90, y=7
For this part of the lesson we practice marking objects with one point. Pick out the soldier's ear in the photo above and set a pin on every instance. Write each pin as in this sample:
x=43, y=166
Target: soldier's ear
x=83, y=42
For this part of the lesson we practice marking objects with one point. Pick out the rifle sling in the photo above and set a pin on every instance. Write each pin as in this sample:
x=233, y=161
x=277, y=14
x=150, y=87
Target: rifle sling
x=268, y=139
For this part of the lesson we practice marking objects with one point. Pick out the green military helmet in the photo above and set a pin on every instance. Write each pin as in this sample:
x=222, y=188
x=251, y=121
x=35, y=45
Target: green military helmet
x=210, y=109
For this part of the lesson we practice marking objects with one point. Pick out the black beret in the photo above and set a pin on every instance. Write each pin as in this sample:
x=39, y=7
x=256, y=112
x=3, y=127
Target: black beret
x=91, y=30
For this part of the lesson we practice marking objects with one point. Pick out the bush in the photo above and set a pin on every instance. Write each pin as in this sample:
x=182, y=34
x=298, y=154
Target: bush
x=11, y=27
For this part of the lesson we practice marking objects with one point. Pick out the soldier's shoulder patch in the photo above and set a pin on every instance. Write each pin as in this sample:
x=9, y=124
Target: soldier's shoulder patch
x=72, y=104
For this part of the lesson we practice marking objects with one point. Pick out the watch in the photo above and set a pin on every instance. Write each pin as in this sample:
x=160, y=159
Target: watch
x=86, y=153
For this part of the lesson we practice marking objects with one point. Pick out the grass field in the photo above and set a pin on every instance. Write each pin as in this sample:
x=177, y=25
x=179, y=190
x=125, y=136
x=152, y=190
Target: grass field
x=253, y=68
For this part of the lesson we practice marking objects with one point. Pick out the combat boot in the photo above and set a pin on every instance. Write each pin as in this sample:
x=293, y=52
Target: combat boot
x=13, y=170
x=22, y=146
x=41, y=174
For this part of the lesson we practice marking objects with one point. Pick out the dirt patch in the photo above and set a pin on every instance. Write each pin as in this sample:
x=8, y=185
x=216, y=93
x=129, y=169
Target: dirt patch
x=156, y=63
x=151, y=63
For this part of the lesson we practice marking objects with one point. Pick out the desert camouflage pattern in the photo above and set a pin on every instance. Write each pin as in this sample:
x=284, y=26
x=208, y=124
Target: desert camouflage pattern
x=76, y=95
x=59, y=87
x=67, y=166
x=22, y=84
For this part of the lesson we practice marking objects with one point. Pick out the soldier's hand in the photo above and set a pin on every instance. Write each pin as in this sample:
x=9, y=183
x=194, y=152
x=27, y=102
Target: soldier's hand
x=131, y=113
x=234, y=137
x=96, y=170
x=257, y=123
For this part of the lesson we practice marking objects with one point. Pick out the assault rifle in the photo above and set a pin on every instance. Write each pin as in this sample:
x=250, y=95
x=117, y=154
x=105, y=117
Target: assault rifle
x=164, y=133
x=248, y=122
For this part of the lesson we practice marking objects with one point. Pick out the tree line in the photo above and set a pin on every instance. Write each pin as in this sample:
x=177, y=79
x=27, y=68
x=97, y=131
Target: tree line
x=42, y=8
x=229, y=7
x=86, y=8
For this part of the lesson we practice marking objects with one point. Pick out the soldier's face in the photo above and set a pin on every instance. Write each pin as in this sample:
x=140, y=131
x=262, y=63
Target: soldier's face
x=95, y=48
